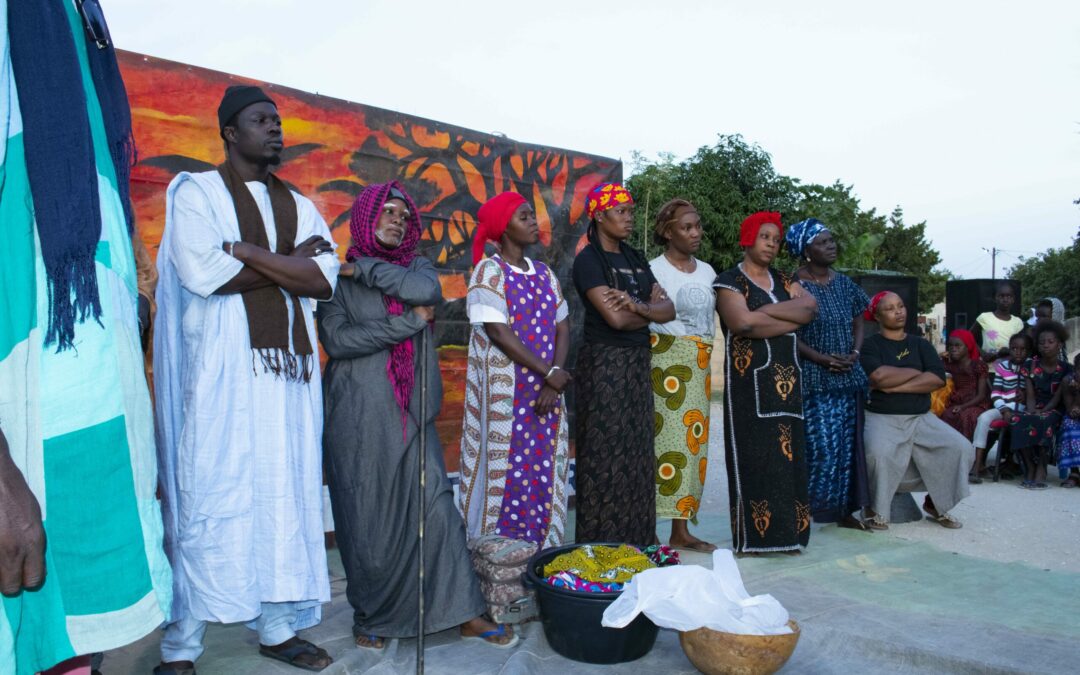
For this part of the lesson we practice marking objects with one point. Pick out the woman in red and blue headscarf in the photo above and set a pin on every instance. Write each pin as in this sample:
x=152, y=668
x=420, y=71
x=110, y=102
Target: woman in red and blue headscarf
x=760, y=310
x=514, y=432
x=371, y=330
x=616, y=464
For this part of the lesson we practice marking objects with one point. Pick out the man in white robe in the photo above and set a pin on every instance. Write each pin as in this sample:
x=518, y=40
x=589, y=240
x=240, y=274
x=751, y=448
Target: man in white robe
x=240, y=423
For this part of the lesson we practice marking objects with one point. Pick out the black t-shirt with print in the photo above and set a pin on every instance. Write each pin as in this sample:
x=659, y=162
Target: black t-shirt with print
x=911, y=352
x=638, y=281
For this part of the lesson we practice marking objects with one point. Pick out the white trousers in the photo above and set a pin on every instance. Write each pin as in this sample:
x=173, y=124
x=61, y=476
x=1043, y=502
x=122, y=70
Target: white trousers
x=183, y=639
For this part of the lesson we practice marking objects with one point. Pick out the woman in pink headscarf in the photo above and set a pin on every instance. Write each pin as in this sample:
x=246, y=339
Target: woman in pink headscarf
x=514, y=435
x=371, y=331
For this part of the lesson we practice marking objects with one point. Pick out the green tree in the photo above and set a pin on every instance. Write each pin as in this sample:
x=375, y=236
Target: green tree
x=732, y=178
x=906, y=249
x=1056, y=273
x=725, y=182
x=859, y=233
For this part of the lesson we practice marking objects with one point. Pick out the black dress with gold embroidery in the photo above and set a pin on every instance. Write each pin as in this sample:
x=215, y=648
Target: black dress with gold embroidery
x=763, y=428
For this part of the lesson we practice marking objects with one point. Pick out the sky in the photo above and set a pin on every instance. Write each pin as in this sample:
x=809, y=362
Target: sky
x=966, y=114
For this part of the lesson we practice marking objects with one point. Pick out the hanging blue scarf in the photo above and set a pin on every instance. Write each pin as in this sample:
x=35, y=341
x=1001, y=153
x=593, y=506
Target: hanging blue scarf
x=60, y=153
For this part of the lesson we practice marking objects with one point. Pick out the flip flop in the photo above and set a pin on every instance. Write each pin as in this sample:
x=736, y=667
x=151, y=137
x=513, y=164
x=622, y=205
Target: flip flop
x=1039, y=485
x=289, y=654
x=877, y=523
x=1026, y=484
x=498, y=632
x=1070, y=483
x=974, y=479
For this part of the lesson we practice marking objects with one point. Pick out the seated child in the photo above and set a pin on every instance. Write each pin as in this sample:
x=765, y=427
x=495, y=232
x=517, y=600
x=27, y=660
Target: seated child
x=1033, y=430
x=1007, y=395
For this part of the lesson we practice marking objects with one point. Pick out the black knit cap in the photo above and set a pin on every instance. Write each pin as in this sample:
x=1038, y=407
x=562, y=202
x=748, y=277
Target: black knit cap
x=236, y=98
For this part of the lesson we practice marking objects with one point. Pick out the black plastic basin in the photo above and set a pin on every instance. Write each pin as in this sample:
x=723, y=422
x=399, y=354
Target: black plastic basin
x=572, y=618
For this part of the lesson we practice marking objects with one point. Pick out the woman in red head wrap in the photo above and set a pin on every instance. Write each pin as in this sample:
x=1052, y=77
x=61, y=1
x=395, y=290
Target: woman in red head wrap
x=371, y=331
x=616, y=466
x=971, y=392
x=760, y=310
x=514, y=436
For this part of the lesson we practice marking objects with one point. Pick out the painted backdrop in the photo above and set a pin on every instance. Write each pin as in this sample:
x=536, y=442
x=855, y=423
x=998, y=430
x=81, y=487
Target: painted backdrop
x=334, y=148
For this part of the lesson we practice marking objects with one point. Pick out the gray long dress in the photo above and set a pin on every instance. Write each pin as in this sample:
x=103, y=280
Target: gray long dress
x=372, y=473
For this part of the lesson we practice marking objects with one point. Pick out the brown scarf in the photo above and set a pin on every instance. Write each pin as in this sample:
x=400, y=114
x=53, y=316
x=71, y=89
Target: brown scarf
x=267, y=313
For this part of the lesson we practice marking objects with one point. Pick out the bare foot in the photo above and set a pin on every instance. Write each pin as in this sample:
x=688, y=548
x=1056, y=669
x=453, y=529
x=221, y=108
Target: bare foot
x=370, y=641
x=681, y=538
x=478, y=626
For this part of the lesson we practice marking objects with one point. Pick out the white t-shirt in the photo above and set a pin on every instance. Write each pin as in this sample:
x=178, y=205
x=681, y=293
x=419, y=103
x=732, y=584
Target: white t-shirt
x=484, y=314
x=693, y=295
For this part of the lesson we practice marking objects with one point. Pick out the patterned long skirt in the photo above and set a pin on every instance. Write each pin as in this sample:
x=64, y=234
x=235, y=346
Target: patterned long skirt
x=681, y=379
x=835, y=457
x=1069, y=444
x=614, y=442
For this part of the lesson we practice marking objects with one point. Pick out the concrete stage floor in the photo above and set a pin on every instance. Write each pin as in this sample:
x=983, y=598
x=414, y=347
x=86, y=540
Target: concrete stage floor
x=994, y=597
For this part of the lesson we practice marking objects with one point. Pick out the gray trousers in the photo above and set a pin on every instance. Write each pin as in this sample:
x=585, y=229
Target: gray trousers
x=941, y=454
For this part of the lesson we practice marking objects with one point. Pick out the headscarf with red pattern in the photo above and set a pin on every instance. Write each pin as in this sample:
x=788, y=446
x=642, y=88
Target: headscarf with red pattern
x=606, y=196
x=366, y=211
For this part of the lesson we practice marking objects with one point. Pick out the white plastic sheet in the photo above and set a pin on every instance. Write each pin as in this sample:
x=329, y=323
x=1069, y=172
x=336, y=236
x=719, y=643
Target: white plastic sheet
x=688, y=597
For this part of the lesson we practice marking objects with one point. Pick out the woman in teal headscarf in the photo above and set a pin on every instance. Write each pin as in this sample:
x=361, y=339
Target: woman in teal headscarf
x=834, y=383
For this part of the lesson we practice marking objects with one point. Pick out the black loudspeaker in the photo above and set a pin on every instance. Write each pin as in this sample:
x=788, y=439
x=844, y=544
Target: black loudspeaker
x=966, y=299
x=904, y=286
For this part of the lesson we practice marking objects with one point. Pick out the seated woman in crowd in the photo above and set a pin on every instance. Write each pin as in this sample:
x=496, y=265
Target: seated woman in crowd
x=1034, y=429
x=514, y=435
x=992, y=330
x=1007, y=395
x=900, y=429
x=969, y=396
x=1069, y=435
x=760, y=309
x=372, y=331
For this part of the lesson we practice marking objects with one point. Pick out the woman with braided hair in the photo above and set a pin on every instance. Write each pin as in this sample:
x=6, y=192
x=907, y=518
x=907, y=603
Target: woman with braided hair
x=371, y=331
x=615, y=462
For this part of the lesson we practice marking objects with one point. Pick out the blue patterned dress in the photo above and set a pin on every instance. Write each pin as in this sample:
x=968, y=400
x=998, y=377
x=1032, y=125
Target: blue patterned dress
x=832, y=404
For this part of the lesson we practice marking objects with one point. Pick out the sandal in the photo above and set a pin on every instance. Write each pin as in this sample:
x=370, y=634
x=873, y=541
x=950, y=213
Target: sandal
x=1026, y=484
x=942, y=519
x=499, y=632
x=877, y=522
x=1038, y=485
x=974, y=479
x=1070, y=482
x=297, y=648
x=852, y=523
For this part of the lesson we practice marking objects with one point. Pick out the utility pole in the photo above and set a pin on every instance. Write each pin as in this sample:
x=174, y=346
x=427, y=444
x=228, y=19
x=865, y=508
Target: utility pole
x=993, y=261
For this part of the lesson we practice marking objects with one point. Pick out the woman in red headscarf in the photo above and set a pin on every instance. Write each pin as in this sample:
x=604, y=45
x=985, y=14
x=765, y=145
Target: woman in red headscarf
x=760, y=310
x=371, y=331
x=971, y=394
x=514, y=435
